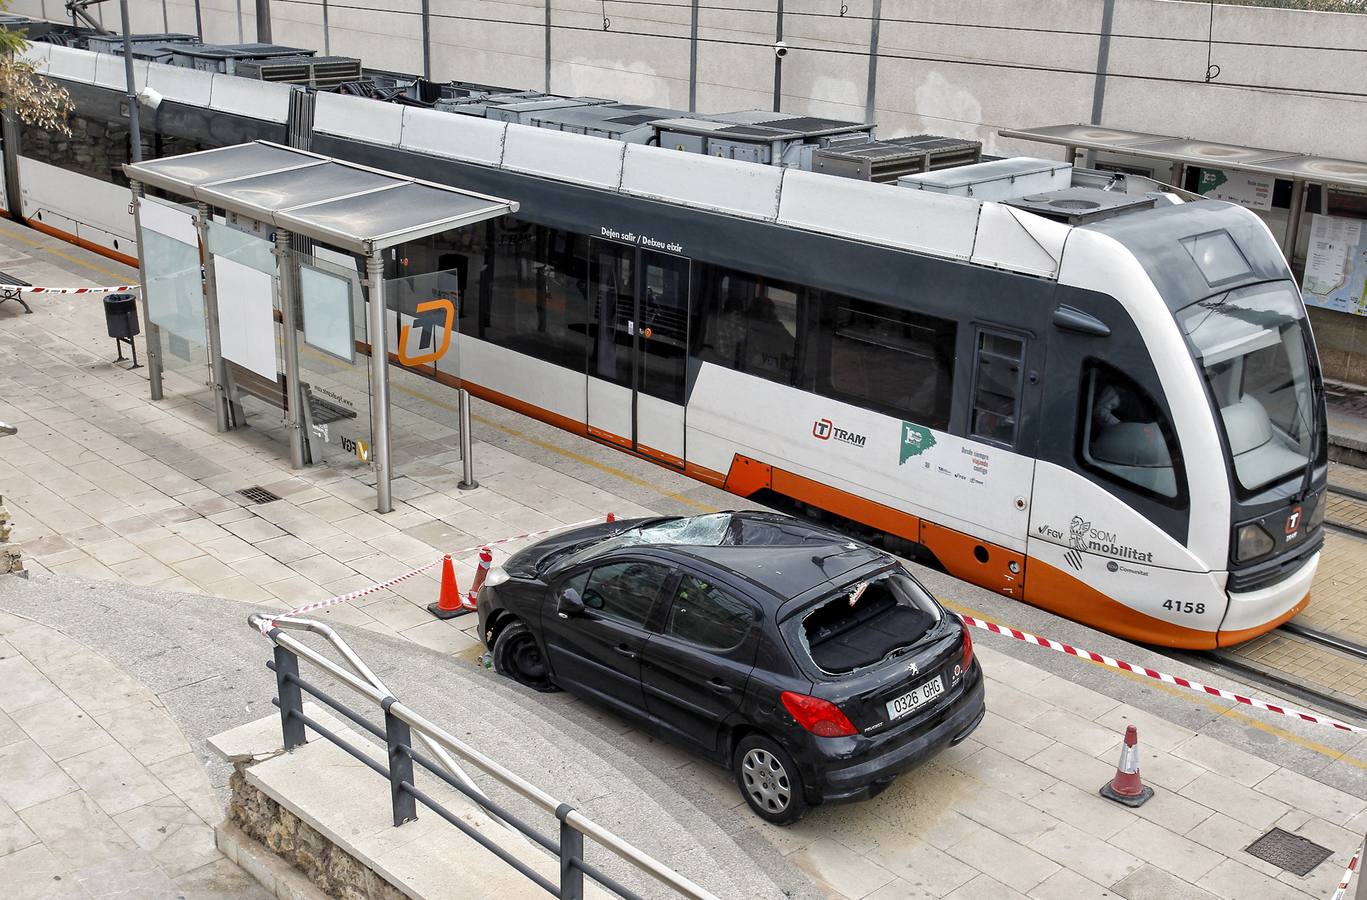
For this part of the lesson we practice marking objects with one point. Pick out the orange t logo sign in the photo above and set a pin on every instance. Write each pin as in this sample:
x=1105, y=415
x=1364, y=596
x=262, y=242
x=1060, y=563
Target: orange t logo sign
x=434, y=355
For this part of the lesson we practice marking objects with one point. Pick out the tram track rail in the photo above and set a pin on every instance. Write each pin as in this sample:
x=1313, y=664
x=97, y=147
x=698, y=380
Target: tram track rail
x=1355, y=496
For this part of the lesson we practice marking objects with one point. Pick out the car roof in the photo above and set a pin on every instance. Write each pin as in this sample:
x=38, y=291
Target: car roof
x=786, y=572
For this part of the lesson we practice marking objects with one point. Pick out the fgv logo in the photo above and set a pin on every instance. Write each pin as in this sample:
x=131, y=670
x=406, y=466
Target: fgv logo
x=431, y=315
x=822, y=429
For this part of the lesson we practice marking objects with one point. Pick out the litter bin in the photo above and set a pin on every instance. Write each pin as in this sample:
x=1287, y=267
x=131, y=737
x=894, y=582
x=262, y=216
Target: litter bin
x=121, y=316
x=121, y=321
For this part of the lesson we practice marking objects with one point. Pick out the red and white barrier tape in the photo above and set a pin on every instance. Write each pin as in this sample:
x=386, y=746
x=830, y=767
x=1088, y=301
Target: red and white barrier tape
x=1348, y=875
x=30, y=289
x=383, y=585
x=1160, y=676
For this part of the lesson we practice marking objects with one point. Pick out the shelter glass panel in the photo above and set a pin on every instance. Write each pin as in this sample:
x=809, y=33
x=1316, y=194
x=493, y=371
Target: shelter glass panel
x=335, y=414
x=175, y=303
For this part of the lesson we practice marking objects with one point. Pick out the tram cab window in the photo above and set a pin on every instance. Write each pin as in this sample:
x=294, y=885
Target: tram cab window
x=1125, y=436
x=885, y=359
x=750, y=324
x=997, y=387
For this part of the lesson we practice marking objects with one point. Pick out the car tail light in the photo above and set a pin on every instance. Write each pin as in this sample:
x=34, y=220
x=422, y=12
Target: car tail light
x=821, y=717
x=968, y=645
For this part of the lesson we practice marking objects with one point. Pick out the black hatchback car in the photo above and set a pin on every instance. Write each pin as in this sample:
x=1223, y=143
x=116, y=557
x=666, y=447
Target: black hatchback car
x=815, y=667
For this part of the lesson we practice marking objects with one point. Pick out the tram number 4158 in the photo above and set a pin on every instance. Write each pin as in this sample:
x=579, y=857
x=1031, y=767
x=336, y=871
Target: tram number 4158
x=1184, y=606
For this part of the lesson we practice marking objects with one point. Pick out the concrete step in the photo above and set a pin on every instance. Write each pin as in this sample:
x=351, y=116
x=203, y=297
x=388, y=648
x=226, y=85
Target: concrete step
x=200, y=657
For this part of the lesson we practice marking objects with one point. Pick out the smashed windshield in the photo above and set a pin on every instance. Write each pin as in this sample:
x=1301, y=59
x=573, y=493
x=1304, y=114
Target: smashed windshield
x=1251, y=346
x=696, y=531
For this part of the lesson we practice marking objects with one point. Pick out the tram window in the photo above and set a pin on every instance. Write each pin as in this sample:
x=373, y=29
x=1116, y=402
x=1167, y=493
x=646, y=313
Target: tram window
x=997, y=386
x=538, y=301
x=885, y=359
x=1125, y=436
x=750, y=324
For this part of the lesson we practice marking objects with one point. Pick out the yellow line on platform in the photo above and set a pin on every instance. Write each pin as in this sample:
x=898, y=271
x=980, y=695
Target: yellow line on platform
x=94, y=267
x=1232, y=712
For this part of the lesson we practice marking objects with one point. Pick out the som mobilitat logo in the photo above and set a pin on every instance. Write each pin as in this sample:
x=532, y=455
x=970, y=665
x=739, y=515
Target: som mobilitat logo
x=825, y=429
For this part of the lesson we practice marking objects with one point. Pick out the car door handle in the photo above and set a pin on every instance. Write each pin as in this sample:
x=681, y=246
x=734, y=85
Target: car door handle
x=626, y=651
x=718, y=686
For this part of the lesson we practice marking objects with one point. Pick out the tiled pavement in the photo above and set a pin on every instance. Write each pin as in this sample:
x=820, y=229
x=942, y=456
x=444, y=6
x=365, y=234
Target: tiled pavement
x=108, y=485
x=100, y=795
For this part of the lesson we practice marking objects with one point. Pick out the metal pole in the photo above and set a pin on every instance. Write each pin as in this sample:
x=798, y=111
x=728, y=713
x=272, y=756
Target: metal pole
x=379, y=381
x=778, y=60
x=291, y=698
x=327, y=36
x=134, y=121
x=286, y=271
x=399, y=736
x=153, y=333
x=692, y=60
x=1293, y=220
x=263, y=21
x=467, y=458
x=571, y=854
x=548, y=46
x=218, y=375
x=426, y=40
x=1103, y=57
x=876, y=20
x=199, y=21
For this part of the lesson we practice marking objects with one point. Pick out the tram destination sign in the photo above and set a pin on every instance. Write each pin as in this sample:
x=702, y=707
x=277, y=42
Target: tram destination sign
x=640, y=240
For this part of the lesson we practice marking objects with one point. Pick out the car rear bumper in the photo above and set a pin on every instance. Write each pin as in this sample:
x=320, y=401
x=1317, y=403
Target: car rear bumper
x=881, y=759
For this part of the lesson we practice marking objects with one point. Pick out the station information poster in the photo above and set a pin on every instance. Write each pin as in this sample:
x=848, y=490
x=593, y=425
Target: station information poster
x=1243, y=188
x=1336, y=264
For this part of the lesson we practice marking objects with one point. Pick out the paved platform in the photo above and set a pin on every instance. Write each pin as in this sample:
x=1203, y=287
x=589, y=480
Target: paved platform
x=1347, y=411
x=141, y=498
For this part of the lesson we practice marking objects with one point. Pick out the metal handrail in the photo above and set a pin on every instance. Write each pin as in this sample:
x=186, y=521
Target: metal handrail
x=401, y=719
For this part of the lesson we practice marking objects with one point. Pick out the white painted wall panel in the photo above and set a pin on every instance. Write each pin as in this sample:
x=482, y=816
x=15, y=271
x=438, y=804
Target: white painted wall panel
x=360, y=118
x=692, y=179
x=187, y=86
x=564, y=156
x=454, y=136
x=880, y=213
x=262, y=99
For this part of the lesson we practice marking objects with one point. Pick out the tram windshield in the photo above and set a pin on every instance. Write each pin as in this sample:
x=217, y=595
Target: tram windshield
x=1251, y=345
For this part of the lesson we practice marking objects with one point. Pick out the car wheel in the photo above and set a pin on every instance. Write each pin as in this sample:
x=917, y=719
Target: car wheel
x=518, y=656
x=769, y=780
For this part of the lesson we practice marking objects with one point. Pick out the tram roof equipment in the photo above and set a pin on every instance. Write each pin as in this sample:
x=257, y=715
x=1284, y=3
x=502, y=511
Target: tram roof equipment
x=352, y=207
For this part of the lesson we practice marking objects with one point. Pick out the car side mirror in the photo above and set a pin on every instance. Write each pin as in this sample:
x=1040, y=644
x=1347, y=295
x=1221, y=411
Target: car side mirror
x=570, y=604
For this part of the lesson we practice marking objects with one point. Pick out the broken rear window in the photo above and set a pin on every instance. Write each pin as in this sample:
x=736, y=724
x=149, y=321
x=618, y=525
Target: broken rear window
x=865, y=623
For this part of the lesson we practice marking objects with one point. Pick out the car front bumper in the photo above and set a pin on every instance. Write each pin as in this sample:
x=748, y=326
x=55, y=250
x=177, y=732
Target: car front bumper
x=861, y=767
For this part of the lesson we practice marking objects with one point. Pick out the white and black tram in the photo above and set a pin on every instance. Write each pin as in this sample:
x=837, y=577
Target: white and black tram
x=1116, y=417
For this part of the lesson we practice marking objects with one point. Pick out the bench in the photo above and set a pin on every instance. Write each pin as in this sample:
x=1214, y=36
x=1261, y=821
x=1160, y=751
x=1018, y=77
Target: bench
x=316, y=410
x=8, y=283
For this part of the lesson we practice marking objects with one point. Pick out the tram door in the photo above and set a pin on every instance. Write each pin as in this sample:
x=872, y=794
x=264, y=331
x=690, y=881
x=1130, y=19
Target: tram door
x=638, y=349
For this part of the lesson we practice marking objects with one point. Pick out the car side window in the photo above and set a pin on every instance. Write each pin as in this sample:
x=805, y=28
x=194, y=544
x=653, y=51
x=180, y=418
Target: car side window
x=624, y=591
x=705, y=615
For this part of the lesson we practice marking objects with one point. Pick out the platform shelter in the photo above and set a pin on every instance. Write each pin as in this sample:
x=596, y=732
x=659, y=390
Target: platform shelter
x=265, y=296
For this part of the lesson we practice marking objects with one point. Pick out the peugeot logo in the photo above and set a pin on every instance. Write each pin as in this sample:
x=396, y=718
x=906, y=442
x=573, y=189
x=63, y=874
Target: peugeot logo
x=911, y=667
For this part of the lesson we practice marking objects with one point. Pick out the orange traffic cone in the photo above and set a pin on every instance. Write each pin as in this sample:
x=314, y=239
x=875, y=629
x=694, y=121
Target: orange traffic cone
x=1126, y=787
x=448, y=604
x=481, y=572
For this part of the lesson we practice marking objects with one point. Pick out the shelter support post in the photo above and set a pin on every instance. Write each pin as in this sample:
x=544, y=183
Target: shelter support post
x=379, y=381
x=1293, y=219
x=288, y=274
x=467, y=454
x=218, y=376
x=153, y=331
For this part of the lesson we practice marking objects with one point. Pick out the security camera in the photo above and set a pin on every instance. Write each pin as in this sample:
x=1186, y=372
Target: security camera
x=780, y=49
x=150, y=97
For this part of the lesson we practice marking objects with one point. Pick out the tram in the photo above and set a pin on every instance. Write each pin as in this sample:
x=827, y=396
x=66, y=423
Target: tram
x=1116, y=417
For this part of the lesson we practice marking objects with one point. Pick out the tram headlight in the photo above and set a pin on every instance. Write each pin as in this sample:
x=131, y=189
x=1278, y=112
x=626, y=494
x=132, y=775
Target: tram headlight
x=1253, y=543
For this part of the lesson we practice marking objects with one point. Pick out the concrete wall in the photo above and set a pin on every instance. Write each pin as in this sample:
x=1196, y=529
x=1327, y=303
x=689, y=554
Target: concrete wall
x=1288, y=79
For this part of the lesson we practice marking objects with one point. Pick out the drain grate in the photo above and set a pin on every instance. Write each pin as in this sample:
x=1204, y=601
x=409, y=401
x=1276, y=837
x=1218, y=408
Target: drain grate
x=258, y=494
x=1289, y=851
